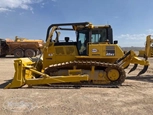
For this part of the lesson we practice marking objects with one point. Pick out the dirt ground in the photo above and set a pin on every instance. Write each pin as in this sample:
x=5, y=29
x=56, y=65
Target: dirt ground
x=135, y=97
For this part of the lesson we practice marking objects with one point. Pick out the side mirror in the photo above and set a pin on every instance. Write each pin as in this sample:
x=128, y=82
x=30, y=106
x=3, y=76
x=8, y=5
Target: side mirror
x=115, y=42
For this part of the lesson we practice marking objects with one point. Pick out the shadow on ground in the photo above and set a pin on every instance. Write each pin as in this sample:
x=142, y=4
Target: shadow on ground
x=8, y=57
x=144, y=78
x=47, y=86
x=5, y=83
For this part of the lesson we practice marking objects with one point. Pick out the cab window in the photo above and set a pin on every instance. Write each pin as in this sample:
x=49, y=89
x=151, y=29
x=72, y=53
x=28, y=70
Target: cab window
x=99, y=35
x=83, y=39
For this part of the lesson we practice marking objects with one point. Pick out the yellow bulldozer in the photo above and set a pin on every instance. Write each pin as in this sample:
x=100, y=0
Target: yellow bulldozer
x=93, y=59
x=148, y=51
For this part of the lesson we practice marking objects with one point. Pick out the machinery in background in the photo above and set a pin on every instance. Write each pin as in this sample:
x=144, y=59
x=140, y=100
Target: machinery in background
x=148, y=51
x=40, y=42
x=93, y=59
x=20, y=47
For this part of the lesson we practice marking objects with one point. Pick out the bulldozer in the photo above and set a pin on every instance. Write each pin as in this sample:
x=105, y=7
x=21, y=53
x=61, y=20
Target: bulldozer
x=94, y=59
x=148, y=51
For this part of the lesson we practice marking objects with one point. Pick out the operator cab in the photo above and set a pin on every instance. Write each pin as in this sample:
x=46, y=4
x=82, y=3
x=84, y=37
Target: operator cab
x=86, y=34
x=95, y=36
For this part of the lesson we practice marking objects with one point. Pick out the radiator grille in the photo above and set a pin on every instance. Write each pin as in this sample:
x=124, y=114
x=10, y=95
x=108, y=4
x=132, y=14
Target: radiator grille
x=59, y=51
x=70, y=50
x=110, y=50
x=110, y=47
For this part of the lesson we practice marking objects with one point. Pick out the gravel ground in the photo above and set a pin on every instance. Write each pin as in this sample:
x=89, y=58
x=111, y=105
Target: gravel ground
x=135, y=97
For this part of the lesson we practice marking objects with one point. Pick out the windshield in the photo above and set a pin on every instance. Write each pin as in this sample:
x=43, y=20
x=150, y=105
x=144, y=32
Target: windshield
x=99, y=35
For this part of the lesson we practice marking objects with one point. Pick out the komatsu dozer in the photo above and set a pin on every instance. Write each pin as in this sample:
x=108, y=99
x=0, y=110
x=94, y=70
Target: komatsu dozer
x=92, y=59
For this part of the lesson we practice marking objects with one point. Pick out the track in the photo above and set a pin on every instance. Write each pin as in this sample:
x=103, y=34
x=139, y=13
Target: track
x=81, y=64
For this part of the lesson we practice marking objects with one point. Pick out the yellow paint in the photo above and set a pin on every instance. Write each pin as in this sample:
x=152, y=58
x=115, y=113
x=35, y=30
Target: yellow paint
x=113, y=74
x=26, y=73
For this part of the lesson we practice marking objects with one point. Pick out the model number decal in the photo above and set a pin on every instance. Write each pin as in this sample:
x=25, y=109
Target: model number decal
x=110, y=54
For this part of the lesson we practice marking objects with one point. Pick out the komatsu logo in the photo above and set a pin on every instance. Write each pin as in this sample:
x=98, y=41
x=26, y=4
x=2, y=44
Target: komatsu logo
x=94, y=50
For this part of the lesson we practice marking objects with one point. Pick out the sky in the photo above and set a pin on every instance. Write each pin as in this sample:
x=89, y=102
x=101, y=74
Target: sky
x=131, y=20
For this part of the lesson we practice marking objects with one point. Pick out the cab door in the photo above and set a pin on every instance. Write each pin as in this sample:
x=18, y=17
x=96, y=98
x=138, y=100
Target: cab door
x=82, y=42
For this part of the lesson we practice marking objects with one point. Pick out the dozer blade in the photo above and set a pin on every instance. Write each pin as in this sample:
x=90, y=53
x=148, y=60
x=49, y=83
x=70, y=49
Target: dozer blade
x=134, y=68
x=25, y=75
x=143, y=70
